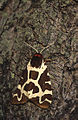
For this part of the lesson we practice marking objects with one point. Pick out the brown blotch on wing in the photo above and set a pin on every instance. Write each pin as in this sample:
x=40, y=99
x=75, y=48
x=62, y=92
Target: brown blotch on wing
x=14, y=100
x=35, y=100
x=44, y=78
x=35, y=89
x=31, y=86
x=46, y=86
x=33, y=75
x=44, y=105
x=48, y=96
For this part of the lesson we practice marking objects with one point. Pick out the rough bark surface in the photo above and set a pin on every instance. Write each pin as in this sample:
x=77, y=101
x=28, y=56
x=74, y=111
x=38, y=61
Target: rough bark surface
x=39, y=23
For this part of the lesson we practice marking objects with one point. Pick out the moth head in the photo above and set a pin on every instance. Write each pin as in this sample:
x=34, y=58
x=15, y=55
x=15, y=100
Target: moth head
x=36, y=60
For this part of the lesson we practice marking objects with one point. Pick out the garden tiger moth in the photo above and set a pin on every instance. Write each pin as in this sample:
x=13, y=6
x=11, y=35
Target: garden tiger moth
x=35, y=84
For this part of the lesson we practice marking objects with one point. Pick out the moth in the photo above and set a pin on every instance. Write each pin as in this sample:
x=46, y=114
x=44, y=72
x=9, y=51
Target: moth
x=35, y=84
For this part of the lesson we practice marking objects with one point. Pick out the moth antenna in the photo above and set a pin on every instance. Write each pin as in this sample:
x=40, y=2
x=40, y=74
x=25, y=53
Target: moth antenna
x=31, y=47
x=47, y=47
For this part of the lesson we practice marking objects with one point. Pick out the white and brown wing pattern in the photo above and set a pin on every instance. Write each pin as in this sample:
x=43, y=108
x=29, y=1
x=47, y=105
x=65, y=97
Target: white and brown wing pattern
x=18, y=97
x=35, y=85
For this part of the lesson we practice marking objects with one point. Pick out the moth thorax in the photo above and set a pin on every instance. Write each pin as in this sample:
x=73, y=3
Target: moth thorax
x=36, y=60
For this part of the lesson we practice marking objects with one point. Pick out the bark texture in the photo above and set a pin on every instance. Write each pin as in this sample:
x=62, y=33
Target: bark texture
x=39, y=23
